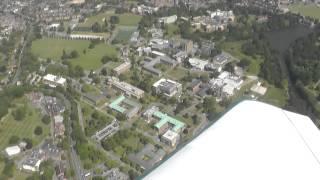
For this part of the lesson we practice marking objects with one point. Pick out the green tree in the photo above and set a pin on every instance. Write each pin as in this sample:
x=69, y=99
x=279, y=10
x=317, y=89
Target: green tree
x=46, y=119
x=209, y=104
x=38, y=130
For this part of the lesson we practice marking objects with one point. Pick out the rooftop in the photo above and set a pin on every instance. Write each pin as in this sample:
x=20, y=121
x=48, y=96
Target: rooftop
x=164, y=118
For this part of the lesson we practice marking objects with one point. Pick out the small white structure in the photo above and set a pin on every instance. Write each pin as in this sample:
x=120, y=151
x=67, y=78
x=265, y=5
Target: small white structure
x=171, y=138
x=258, y=89
x=198, y=64
x=32, y=165
x=169, y=19
x=12, y=150
x=54, y=81
x=58, y=119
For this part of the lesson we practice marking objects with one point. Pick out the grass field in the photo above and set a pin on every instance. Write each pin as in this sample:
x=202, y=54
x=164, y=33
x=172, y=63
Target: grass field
x=53, y=48
x=275, y=96
x=234, y=48
x=23, y=128
x=310, y=10
x=126, y=19
x=172, y=30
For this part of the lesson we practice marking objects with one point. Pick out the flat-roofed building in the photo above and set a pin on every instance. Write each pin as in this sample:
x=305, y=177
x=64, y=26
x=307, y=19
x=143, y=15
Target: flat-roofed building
x=126, y=88
x=122, y=68
x=54, y=81
x=167, y=87
x=167, y=122
x=125, y=106
x=170, y=138
x=12, y=150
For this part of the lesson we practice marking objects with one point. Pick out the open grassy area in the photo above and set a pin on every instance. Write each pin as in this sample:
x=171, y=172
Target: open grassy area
x=234, y=48
x=24, y=128
x=275, y=96
x=126, y=19
x=172, y=30
x=310, y=10
x=91, y=59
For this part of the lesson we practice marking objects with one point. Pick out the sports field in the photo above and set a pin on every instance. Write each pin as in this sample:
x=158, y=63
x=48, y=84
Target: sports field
x=126, y=19
x=88, y=58
x=311, y=10
x=24, y=128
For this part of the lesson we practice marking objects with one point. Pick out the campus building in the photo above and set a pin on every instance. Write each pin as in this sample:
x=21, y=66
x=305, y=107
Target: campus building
x=125, y=106
x=122, y=68
x=126, y=88
x=167, y=87
x=54, y=81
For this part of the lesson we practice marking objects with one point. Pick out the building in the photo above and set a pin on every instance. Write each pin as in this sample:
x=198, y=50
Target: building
x=54, y=81
x=32, y=165
x=150, y=63
x=148, y=157
x=225, y=85
x=125, y=106
x=198, y=64
x=170, y=138
x=149, y=113
x=167, y=122
x=126, y=88
x=167, y=87
x=12, y=151
x=258, y=89
x=169, y=19
x=122, y=68
x=195, y=85
x=107, y=131
x=253, y=140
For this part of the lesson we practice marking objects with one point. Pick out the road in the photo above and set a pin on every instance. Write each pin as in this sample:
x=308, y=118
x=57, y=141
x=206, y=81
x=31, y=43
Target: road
x=80, y=115
x=18, y=71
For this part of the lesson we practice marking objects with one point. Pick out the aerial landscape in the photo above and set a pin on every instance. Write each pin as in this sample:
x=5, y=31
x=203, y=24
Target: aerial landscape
x=111, y=89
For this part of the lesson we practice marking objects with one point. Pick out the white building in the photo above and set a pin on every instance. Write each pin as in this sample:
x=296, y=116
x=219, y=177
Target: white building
x=32, y=165
x=252, y=141
x=167, y=87
x=58, y=119
x=225, y=85
x=169, y=19
x=171, y=138
x=258, y=89
x=198, y=64
x=12, y=150
x=54, y=81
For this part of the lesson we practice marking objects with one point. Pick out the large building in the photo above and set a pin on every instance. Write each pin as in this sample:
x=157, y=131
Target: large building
x=125, y=106
x=54, y=81
x=252, y=141
x=167, y=87
x=126, y=88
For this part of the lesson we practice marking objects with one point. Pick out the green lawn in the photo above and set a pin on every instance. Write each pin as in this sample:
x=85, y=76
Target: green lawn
x=172, y=30
x=53, y=48
x=275, y=96
x=234, y=48
x=126, y=19
x=310, y=10
x=23, y=128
